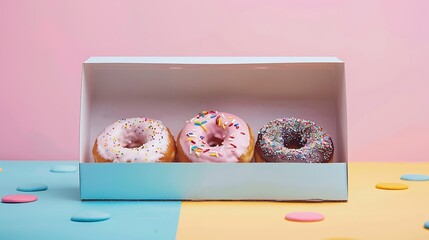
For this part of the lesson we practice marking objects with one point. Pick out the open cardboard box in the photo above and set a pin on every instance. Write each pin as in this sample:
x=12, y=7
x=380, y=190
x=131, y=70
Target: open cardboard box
x=175, y=89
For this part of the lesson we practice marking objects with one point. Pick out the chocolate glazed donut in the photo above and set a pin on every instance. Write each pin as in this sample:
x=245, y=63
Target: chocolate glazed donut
x=294, y=141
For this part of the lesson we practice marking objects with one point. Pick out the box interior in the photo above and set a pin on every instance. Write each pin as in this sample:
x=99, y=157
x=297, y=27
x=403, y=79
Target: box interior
x=174, y=93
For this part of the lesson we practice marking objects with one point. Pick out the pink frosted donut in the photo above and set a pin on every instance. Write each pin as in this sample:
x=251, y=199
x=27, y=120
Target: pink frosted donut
x=214, y=136
x=135, y=140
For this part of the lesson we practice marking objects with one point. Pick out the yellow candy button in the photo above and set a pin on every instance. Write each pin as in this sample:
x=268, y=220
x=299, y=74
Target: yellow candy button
x=1, y=169
x=391, y=186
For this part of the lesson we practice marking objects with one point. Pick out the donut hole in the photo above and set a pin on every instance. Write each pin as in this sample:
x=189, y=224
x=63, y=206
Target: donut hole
x=214, y=141
x=294, y=141
x=135, y=143
x=133, y=140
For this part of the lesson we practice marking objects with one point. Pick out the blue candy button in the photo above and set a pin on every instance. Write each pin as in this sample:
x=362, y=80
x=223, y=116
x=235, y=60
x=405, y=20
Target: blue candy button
x=415, y=177
x=64, y=169
x=33, y=187
x=90, y=216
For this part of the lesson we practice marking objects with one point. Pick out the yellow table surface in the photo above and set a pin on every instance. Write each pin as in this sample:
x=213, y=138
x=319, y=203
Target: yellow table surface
x=370, y=213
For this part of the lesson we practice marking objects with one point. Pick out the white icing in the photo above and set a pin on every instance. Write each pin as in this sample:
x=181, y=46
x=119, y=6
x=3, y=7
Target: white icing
x=134, y=140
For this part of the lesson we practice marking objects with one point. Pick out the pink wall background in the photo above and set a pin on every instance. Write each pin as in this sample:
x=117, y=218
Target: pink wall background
x=385, y=45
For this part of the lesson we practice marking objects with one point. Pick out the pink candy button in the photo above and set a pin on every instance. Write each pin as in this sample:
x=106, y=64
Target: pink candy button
x=304, y=217
x=19, y=198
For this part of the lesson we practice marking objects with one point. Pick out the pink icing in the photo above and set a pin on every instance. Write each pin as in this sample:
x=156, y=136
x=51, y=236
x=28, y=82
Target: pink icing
x=215, y=137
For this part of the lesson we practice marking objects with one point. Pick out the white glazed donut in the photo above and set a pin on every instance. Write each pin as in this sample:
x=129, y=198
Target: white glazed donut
x=135, y=140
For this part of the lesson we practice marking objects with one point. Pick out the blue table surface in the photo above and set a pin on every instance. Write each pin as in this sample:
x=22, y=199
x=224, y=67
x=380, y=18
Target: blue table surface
x=49, y=216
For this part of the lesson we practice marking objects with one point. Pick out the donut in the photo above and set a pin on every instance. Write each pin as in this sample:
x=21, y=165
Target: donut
x=216, y=137
x=293, y=140
x=135, y=140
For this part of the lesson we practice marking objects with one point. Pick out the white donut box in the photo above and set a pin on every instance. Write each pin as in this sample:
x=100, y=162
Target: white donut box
x=175, y=89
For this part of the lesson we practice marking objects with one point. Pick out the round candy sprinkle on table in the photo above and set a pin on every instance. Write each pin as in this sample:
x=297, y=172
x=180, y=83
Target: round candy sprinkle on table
x=427, y=225
x=391, y=186
x=64, y=169
x=90, y=216
x=1, y=169
x=33, y=187
x=18, y=198
x=415, y=177
x=304, y=217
